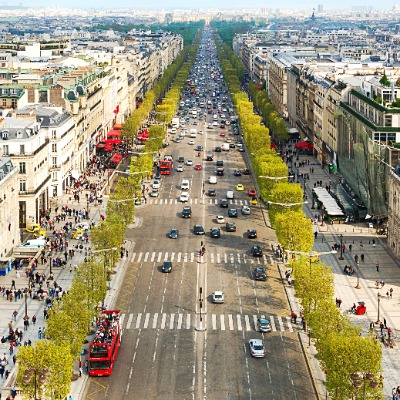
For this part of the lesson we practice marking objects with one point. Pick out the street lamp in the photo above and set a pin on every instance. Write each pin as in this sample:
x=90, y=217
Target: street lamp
x=378, y=321
x=26, y=317
x=35, y=373
x=360, y=379
x=341, y=248
x=87, y=207
x=358, y=271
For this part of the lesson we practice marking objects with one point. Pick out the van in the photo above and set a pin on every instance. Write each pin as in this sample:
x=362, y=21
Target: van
x=225, y=146
x=33, y=243
x=212, y=179
x=230, y=194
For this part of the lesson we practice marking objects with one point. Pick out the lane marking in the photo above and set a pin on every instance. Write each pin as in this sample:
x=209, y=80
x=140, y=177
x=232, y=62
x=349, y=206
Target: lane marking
x=155, y=317
x=180, y=318
x=239, y=322
x=214, y=321
x=230, y=320
x=222, y=318
x=163, y=320
x=171, y=321
x=139, y=317
x=146, y=320
x=247, y=322
x=129, y=323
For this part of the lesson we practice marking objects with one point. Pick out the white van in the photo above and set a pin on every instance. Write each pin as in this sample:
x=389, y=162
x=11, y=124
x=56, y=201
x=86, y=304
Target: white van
x=212, y=179
x=185, y=184
x=33, y=243
x=230, y=194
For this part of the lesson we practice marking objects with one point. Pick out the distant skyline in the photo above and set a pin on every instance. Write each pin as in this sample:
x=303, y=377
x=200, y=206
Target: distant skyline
x=204, y=4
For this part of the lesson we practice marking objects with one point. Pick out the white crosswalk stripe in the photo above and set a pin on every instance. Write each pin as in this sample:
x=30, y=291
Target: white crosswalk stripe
x=222, y=322
x=172, y=256
x=140, y=257
x=153, y=255
x=146, y=256
x=196, y=200
x=178, y=258
x=159, y=257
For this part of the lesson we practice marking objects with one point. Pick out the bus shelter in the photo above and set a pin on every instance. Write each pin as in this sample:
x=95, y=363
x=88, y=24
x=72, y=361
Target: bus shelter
x=330, y=208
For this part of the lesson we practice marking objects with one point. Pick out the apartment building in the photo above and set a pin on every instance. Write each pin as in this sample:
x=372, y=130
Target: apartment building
x=9, y=228
x=393, y=225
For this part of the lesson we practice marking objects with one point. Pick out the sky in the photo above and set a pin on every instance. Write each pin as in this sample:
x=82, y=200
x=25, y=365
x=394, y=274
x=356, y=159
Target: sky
x=192, y=4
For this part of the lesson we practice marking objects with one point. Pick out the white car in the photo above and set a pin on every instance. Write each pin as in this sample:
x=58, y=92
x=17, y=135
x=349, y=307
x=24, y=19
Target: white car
x=246, y=210
x=212, y=180
x=154, y=193
x=220, y=219
x=218, y=297
x=183, y=133
x=200, y=132
x=82, y=225
x=215, y=123
x=184, y=197
x=179, y=168
x=156, y=185
x=191, y=142
x=257, y=348
x=185, y=184
x=189, y=162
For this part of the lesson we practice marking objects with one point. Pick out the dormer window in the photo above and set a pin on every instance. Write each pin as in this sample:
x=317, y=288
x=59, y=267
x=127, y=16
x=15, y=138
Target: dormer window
x=4, y=135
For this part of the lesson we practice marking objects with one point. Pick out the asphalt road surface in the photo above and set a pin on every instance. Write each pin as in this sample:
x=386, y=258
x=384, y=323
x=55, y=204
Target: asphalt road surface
x=171, y=351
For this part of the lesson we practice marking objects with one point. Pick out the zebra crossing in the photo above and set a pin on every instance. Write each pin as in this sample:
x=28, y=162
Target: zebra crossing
x=214, y=258
x=196, y=200
x=213, y=322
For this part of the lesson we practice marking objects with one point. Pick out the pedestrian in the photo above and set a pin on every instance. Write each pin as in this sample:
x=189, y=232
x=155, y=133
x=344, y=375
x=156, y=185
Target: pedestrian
x=384, y=323
x=70, y=267
x=362, y=257
x=295, y=318
x=292, y=317
x=371, y=327
x=34, y=320
x=87, y=366
x=339, y=302
x=13, y=285
x=373, y=242
x=14, y=314
x=381, y=326
x=80, y=371
x=377, y=266
x=389, y=332
x=391, y=293
x=387, y=294
x=40, y=333
x=126, y=253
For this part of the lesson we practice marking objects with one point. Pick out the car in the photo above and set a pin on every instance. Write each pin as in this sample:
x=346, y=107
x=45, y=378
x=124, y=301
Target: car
x=251, y=192
x=166, y=266
x=260, y=274
x=187, y=212
x=218, y=297
x=246, y=171
x=257, y=348
x=241, y=150
x=156, y=184
x=215, y=232
x=256, y=251
x=198, y=167
x=128, y=169
x=184, y=197
x=179, y=168
x=211, y=192
x=233, y=213
x=239, y=187
x=220, y=163
x=220, y=171
x=229, y=140
x=212, y=180
x=200, y=132
x=194, y=122
x=181, y=159
x=209, y=126
x=199, y=147
x=158, y=176
x=185, y=185
x=220, y=219
x=224, y=203
x=215, y=123
x=264, y=325
x=236, y=172
x=189, y=162
x=245, y=210
x=178, y=140
x=191, y=142
x=251, y=233
x=218, y=149
x=232, y=145
x=174, y=233
x=222, y=134
x=84, y=226
x=154, y=193
x=198, y=230
x=230, y=226
x=254, y=201
x=230, y=194
x=209, y=157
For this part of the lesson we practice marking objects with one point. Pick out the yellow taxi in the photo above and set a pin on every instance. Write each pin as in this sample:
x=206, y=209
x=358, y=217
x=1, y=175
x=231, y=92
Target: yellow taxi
x=254, y=201
x=239, y=187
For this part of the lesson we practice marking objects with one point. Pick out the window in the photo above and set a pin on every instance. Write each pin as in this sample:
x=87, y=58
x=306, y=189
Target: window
x=5, y=150
x=22, y=168
x=14, y=104
x=54, y=177
x=22, y=149
x=53, y=134
x=54, y=147
x=22, y=186
x=4, y=102
x=54, y=162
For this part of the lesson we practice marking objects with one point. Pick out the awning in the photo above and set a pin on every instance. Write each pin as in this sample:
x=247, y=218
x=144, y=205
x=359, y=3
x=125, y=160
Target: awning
x=116, y=158
x=108, y=147
x=331, y=206
x=75, y=174
x=304, y=145
x=114, y=133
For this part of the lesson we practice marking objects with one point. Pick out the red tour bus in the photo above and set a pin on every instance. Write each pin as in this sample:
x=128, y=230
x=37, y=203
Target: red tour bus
x=165, y=167
x=104, y=348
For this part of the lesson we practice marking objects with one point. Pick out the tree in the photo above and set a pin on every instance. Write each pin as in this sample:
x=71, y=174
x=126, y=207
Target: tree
x=294, y=231
x=44, y=356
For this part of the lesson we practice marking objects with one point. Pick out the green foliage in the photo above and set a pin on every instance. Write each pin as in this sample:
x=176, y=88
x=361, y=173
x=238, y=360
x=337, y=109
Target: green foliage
x=384, y=81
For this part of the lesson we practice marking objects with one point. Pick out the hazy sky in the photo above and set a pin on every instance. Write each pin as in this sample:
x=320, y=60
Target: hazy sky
x=202, y=4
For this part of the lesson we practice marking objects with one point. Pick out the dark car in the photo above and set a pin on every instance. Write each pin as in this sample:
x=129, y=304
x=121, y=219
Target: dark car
x=241, y=149
x=233, y=213
x=246, y=172
x=251, y=233
x=230, y=227
x=198, y=230
x=220, y=163
x=215, y=232
x=166, y=266
x=220, y=171
x=174, y=233
x=158, y=176
x=199, y=148
x=218, y=149
x=212, y=192
x=256, y=251
x=209, y=157
x=224, y=203
x=187, y=212
x=237, y=173
x=232, y=145
x=181, y=159
x=260, y=274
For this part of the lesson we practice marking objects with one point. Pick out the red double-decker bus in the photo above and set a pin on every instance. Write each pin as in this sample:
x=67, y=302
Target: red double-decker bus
x=104, y=348
x=166, y=167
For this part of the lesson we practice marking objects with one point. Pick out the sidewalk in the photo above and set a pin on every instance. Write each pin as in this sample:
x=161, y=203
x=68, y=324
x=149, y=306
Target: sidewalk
x=360, y=237
x=63, y=276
